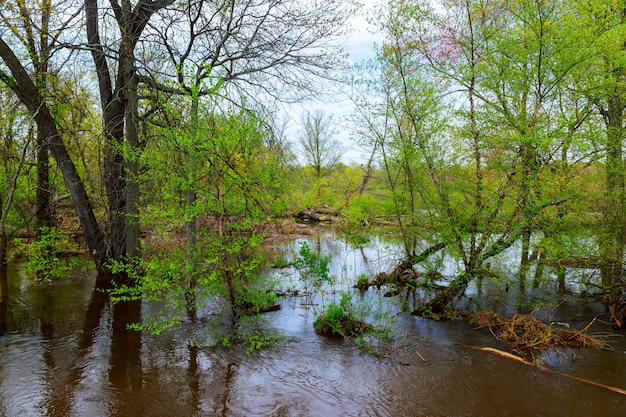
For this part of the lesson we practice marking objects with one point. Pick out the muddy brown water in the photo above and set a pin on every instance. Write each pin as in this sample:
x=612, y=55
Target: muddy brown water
x=65, y=351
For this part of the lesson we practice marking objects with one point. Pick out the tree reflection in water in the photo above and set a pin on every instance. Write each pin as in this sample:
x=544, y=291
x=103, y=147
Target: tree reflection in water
x=65, y=350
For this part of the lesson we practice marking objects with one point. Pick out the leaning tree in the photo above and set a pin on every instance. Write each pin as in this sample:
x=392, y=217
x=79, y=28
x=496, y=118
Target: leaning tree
x=257, y=49
x=474, y=110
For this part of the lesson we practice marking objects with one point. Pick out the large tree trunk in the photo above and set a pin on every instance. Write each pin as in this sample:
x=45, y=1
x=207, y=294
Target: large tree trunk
x=115, y=183
x=191, y=224
x=132, y=168
x=525, y=258
x=612, y=239
x=113, y=118
x=529, y=170
x=23, y=86
x=91, y=230
x=43, y=194
x=438, y=303
x=3, y=244
x=119, y=104
x=4, y=300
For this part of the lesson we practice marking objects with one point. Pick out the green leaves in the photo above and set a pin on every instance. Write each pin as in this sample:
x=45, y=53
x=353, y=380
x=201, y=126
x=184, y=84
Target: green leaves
x=48, y=257
x=313, y=270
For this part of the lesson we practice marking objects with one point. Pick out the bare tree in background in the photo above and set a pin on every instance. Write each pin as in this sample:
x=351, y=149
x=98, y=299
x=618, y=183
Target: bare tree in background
x=317, y=139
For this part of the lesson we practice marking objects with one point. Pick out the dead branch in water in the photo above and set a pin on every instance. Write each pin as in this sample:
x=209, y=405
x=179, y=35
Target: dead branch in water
x=516, y=358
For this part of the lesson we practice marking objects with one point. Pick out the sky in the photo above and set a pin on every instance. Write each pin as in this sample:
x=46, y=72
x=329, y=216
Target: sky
x=360, y=48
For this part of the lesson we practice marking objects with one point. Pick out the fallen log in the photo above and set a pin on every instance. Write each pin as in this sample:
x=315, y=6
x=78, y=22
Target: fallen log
x=516, y=358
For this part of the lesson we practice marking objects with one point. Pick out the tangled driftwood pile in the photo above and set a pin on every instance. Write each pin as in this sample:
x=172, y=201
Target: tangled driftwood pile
x=523, y=333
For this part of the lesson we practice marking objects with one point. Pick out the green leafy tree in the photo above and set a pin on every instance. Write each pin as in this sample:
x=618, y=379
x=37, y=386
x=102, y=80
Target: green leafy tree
x=603, y=84
x=237, y=184
x=33, y=26
x=24, y=87
x=473, y=110
x=13, y=158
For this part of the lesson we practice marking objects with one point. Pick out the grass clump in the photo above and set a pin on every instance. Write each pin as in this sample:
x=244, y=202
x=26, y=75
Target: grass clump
x=335, y=321
x=341, y=320
x=362, y=282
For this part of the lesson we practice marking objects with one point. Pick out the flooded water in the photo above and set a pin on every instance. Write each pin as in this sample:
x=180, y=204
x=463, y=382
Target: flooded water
x=65, y=351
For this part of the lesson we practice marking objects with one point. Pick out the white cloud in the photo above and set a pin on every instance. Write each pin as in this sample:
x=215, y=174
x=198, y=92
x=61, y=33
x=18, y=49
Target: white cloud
x=360, y=48
x=364, y=35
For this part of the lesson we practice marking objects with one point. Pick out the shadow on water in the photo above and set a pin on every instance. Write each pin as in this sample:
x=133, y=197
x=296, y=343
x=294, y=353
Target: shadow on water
x=65, y=350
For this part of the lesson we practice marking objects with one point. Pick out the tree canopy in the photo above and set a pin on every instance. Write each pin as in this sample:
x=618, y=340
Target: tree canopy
x=489, y=124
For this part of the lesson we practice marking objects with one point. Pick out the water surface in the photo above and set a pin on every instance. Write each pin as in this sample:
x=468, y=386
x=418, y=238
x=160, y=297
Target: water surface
x=65, y=351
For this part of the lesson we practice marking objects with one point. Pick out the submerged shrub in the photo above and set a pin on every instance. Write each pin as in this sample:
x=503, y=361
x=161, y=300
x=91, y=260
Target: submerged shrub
x=252, y=333
x=48, y=256
x=313, y=270
x=340, y=320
